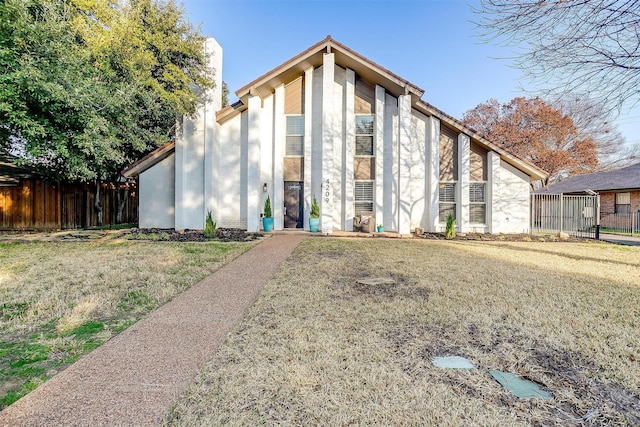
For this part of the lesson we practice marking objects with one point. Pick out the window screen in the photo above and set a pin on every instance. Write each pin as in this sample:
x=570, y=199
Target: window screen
x=447, y=201
x=363, y=196
x=364, y=135
x=477, y=203
x=295, y=136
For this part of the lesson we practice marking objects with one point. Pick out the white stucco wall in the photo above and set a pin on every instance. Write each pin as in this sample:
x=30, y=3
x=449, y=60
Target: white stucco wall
x=156, y=203
x=339, y=161
x=419, y=177
x=232, y=203
x=390, y=167
x=511, y=201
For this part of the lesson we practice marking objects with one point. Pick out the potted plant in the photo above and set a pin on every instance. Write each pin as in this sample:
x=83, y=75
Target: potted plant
x=314, y=216
x=267, y=220
x=380, y=228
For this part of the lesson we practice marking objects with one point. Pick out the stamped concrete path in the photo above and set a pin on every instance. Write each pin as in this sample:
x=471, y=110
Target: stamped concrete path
x=135, y=377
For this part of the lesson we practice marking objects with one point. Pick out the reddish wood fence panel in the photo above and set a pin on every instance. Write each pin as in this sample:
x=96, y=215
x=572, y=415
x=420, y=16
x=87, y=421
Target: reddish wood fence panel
x=37, y=204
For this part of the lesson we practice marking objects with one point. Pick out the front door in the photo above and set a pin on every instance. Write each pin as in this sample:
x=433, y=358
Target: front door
x=293, y=204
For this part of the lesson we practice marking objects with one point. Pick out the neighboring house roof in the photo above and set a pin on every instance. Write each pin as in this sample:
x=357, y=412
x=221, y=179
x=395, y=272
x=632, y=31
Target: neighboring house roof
x=11, y=173
x=150, y=159
x=627, y=178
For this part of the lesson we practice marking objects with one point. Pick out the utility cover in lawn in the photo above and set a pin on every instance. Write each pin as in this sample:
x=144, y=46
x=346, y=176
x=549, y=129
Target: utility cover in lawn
x=453, y=362
x=520, y=388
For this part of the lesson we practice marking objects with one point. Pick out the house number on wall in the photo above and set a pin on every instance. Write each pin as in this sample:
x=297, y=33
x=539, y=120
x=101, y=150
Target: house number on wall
x=327, y=190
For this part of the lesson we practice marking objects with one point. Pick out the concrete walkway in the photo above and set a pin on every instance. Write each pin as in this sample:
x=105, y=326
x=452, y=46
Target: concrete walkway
x=620, y=239
x=135, y=377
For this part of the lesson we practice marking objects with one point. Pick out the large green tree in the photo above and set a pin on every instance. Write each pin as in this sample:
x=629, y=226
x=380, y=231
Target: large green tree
x=87, y=86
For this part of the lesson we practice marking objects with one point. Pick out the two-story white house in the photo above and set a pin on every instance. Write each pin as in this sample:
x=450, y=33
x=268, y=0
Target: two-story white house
x=332, y=124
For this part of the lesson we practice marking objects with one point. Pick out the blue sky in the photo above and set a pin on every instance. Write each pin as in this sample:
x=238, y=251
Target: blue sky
x=431, y=43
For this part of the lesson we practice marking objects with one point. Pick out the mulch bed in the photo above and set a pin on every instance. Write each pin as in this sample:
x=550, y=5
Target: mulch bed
x=521, y=237
x=170, y=234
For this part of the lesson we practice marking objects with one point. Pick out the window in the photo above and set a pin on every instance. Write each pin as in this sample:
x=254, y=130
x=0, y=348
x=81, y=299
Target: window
x=295, y=135
x=364, y=135
x=447, y=200
x=363, y=196
x=623, y=203
x=477, y=203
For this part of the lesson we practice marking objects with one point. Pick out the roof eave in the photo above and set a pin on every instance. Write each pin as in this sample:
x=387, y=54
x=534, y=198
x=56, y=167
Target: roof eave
x=151, y=159
x=533, y=171
x=264, y=85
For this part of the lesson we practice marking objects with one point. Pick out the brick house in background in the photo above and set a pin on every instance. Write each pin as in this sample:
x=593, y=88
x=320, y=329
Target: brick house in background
x=619, y=191
x=332, y=124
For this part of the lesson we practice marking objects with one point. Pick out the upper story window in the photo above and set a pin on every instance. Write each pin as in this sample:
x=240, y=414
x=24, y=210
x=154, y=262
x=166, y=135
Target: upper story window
x=364, y=135
x=295, y=135
x=448, y=155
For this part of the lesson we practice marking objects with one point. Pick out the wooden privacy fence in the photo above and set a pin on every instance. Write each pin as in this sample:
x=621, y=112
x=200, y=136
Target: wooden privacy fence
x=36, y=204
x=574, y=215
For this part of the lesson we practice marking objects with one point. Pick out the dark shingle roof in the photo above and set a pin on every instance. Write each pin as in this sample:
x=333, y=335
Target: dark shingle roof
x=11, y=173
x=622, y=179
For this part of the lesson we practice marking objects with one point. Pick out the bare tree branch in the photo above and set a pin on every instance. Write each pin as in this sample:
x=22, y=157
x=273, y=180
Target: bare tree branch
x=586, y=47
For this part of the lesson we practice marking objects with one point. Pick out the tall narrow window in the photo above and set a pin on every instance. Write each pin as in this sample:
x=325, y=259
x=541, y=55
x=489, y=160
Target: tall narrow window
x=477, y=186
x=477, y=203
x=448, y=173
x=364, y=135
x=295, y=135
x=363, y=197
x=447, y=200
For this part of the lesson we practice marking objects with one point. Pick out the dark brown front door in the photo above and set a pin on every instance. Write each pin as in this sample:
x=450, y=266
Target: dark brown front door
x=293, y=204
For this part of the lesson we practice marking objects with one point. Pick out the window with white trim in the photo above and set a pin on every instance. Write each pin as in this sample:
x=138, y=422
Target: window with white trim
x=363, y=196
x=447, y=199
x=364, y=135
x=623, y=203
x=295, y=135
x=477, y=203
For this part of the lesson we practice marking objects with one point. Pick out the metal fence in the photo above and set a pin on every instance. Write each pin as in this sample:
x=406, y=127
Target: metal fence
x=621, y=223
x=574, y=215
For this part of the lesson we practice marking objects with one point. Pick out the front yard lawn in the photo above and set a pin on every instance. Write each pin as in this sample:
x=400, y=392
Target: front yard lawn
x=59, y=300
x=319, y=348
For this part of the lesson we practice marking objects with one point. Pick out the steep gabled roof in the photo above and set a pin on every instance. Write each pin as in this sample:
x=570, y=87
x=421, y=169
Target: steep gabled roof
x=312, y=57
x=627, y=178
x=369, y=71
x=151, y=159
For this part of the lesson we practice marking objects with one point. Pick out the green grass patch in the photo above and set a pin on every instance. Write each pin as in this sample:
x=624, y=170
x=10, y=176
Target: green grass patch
x=58, y=305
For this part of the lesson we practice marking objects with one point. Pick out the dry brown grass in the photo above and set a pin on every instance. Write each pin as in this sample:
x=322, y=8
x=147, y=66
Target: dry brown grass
x=320, y=349
x=60, y=300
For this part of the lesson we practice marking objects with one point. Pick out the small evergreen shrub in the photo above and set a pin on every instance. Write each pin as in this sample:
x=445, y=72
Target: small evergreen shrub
x=315, y=209
x=450, y=231
x=210, y=226
x=267, y=208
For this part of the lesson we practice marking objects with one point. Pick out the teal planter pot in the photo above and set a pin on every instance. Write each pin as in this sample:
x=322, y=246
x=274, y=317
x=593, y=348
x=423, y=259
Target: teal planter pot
x=314, y=224
x=380, y=229
x=267, y=224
